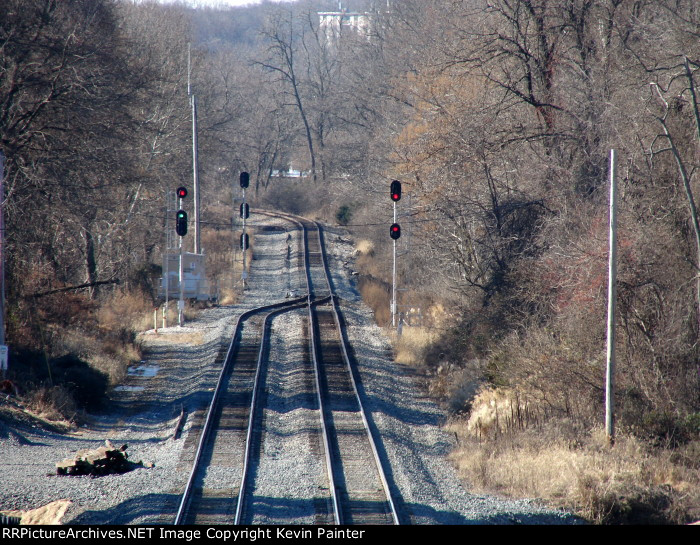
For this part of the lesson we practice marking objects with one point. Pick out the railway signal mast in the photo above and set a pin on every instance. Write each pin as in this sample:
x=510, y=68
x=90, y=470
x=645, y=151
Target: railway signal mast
x=181, y=229
x=245, y=212
x=395, y=233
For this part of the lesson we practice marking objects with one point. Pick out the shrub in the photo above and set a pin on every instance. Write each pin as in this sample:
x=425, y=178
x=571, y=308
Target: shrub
x=87, y=385
x=668, y=429
x=343, y=215
x=377, y=295
x=53, y=403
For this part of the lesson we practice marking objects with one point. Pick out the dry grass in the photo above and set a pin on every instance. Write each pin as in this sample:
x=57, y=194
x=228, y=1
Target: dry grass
x=377, y=298
x=409, y=347
x=228, y=295
x=170, y=317
x=51, y=513
x=193, y=338
x=121, y=317
x=126, y=311
x=574, y=468
x=367, y=263
x=437, y=315
x=73, y=349
x=55, y=404
x=495, y=412
x=512, y=445
x=365, y=247
x=224, y=263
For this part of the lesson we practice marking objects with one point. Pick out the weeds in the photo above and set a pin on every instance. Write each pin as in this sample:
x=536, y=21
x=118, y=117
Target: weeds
x=84, y=348
x=522, y=440
x=568, y=465
x=365, y=247
x=377, y=296
x=55, y=403
x=224, y=263
x=409, y=347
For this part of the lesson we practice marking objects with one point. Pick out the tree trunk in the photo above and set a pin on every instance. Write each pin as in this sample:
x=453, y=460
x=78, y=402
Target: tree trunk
x=90, y=263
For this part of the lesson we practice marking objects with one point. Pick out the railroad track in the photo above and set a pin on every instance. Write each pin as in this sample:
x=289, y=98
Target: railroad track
x=353, y=489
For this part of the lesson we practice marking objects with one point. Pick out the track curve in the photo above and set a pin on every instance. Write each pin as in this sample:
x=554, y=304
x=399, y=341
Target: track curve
x=358, y=489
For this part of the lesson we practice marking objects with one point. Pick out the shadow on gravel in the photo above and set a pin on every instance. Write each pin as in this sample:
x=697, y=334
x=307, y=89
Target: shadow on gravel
x=6, y=432
x=147, y=509
x=289, y=510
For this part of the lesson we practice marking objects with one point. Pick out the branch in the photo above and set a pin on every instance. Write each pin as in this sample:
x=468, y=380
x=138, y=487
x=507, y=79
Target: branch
x=80, y=287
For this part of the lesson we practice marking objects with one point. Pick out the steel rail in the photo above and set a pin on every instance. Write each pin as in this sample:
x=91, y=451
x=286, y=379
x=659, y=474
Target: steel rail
x=208, y=423
x=352, y=372
x=324, y=425
x=298, y=220
x=355, y=380
x=312, y=341
x=213, y=405
x=275, y=309
x=254, y=404
x=363, y=414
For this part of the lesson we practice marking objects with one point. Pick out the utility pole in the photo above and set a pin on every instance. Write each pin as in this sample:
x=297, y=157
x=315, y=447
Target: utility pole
x=195, y=160
x=234, y=226
x=181, y=301
x=195, y=170
x=612, y=300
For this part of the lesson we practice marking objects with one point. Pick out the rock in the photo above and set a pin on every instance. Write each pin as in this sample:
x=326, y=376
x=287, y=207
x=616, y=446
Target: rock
x=51, y=513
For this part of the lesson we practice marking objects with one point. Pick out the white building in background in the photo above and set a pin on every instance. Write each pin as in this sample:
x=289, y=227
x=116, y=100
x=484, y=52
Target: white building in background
x=334, y=23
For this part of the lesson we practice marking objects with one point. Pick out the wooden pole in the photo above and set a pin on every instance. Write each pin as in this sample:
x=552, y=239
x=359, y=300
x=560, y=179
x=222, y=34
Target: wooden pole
x=2, y=248
x=3, y=348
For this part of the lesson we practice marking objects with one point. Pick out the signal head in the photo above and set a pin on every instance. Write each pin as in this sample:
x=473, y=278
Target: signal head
x=244, y=179
x=395, y=231
x=395, y=191
x=181, y=223
x=181, y=192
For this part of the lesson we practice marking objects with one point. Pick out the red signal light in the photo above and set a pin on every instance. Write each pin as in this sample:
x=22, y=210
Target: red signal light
x=395, y=190
x=395, y=231
x=181, y=192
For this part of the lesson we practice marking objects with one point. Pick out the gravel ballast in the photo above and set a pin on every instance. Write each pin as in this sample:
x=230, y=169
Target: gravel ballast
x=176, y=378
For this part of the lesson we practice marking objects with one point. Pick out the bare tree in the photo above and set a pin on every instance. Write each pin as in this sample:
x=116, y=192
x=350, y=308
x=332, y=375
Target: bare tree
x=91, y=128
x=283, y=37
